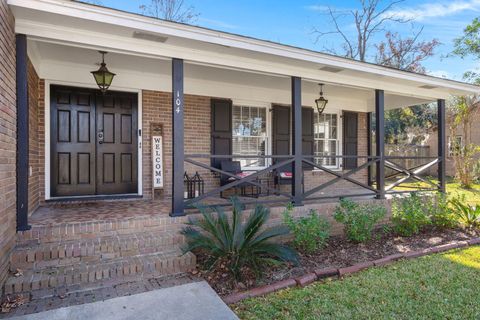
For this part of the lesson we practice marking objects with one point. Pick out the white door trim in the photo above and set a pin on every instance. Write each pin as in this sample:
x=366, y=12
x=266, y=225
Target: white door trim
x=48, y=176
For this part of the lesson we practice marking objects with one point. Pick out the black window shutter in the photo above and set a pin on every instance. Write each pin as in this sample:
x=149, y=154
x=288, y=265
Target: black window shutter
x=221, y=131
x=307, y=135
x=281, y=133
x=350, y=139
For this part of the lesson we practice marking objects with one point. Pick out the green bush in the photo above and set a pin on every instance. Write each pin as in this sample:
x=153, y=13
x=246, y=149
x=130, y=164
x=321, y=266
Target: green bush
x=237, y=244
x=410, y=214
x=310, y=233
x=468, y=214
x=359, y=220
x=442, y=214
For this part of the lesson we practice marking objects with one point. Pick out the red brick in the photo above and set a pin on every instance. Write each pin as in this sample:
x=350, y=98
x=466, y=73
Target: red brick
x=326, y=273
x=416, y=254
x=355, y=268
x=306, y=279
x=388, y=259
x=449, y=246
x=260, y=291
x=236, y=297
x=473, y=241
x=283, y=284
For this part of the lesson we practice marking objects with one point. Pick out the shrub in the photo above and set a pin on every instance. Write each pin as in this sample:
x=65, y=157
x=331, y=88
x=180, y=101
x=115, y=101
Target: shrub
x=410, y=215
x=468, y=214
x=441, y=213
x=234, y=243
x=310, y=233
x=359, y=220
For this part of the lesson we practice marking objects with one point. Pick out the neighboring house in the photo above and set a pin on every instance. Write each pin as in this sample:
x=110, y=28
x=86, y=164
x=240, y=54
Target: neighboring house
x=452, y=140
x=71, y=156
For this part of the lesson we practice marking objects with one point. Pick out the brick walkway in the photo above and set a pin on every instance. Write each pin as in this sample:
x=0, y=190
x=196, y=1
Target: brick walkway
x=61, y=297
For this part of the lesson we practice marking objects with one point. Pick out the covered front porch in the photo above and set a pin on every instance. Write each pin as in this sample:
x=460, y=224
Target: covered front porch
x=238, y=114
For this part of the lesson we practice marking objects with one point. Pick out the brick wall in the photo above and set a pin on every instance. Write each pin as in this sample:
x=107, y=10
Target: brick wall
x=157, y=109
x=33, y=140
x=41, y=140
x=7, y=137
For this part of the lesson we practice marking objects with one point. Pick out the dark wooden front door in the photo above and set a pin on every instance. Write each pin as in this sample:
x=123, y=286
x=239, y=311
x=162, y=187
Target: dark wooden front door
x=93, y=142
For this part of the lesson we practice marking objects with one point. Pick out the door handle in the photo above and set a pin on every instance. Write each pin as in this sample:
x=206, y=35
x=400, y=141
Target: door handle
x=100, y=137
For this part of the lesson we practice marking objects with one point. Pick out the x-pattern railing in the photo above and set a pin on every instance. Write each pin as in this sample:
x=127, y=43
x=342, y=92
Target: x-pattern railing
x=340, y=175
x=281, y=161
x=410, y=173
x=250, y=179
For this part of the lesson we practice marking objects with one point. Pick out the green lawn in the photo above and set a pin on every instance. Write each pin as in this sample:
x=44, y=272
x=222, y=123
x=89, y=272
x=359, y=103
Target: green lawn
x=453, y=188
x=471, y=195
x=442, y=286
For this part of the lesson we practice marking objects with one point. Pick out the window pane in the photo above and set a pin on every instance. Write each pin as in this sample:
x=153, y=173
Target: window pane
x=326, y=139
x=249, y=134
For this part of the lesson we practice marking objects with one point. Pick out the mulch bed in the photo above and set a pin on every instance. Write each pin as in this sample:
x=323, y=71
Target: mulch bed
x=338, y=253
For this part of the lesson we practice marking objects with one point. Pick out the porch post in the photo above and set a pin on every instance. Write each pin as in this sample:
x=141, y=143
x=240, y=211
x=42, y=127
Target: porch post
x=177, y=138
x=369, y=147
x=297, y=140
x=380, y=142
x=441, y=145
x=22, y=132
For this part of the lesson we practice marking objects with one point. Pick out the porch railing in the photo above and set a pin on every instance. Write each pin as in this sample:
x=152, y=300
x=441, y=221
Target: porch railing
x=394, y=182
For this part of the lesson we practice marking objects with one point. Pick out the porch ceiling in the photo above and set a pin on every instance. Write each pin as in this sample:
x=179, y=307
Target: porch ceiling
x=84, y=26
x=72, y=65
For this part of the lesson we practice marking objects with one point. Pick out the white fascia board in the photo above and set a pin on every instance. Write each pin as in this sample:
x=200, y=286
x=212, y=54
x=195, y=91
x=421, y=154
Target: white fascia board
x=137, y=22
x=124, y=45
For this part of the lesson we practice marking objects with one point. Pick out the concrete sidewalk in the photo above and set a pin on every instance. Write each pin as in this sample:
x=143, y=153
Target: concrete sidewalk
x=186, y=302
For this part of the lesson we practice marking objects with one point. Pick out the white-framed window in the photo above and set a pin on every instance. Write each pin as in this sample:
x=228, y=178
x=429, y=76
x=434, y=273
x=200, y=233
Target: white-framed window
x=250, y=135
x=327, y=137
x=455, y=144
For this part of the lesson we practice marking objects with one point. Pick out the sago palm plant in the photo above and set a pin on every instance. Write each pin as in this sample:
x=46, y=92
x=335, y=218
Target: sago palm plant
x=237, y=243
x=467, y=214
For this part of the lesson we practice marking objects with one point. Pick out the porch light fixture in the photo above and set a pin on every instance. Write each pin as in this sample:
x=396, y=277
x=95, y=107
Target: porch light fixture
x=102, y=76
x=321, y=102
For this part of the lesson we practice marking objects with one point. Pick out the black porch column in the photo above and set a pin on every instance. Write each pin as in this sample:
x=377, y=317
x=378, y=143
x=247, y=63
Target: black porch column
x=22, y=133
x=369, y=146
x=380, y=142
x=297, y=140
x=177, y=138
x=441, y=145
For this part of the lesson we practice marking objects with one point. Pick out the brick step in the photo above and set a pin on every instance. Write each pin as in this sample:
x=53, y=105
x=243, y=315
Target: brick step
x=89, y=273
x=101, y=228
x=31, y=255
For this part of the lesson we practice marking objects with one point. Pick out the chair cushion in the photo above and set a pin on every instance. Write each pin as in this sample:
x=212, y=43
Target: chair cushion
x=285, y=175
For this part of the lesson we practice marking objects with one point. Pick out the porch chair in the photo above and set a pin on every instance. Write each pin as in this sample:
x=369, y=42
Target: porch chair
x=284, y=176
x=234, y=167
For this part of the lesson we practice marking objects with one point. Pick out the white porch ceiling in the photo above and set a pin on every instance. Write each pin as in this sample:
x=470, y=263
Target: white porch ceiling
x=72, y=65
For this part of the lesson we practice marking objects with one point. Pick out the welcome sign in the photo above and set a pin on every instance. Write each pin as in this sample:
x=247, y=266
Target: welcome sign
x=157, y=158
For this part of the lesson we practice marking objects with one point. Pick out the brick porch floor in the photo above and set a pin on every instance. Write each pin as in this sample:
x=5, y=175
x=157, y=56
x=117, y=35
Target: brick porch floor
x=89, y=211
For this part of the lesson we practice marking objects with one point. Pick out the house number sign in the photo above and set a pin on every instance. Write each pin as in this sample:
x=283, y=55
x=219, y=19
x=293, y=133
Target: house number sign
x=178, y=103
x=157, y=156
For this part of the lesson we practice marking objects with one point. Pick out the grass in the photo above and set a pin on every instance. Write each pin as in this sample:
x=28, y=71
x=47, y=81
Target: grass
x=472, y=195
x=442, y=286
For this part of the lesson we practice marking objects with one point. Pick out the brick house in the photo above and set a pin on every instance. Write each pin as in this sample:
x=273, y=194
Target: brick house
x=456, y=138
x=93, y=183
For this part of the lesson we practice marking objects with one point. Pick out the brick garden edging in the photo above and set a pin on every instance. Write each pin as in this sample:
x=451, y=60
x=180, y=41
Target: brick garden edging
x=320, y=274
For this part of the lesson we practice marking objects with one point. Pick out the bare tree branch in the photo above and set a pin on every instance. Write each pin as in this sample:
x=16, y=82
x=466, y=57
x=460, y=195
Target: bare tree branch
x=368, y=20
x=172, y=10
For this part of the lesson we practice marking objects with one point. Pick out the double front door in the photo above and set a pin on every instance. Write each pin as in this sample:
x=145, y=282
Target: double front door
x=94, y=142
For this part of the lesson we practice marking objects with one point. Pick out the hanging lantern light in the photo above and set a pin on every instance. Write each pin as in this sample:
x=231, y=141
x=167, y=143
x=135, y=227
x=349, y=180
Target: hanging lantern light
x=102, y=76
x=321, y=102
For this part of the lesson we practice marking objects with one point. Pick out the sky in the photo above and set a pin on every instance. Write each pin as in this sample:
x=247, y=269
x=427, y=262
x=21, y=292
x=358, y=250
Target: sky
x=291, y=22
